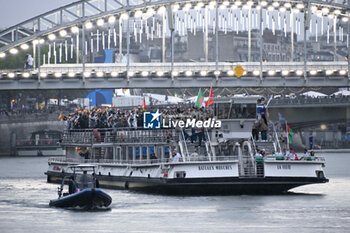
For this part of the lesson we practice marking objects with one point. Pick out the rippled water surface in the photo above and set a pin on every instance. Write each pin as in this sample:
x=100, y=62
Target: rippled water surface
x=24, y=198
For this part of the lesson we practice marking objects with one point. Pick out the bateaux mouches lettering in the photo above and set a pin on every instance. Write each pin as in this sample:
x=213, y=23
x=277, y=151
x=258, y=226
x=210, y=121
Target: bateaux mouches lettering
x=193, y=123
x=214, y=167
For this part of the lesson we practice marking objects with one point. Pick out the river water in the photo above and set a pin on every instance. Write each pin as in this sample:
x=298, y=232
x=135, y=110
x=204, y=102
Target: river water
x=24, y=198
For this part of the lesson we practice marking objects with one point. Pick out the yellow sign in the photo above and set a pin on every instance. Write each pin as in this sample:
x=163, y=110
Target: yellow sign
x=239, y=71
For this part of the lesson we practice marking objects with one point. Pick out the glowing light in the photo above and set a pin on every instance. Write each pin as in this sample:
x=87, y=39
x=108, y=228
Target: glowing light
x=300, y=6
x=41, y=41
x=2, y=55
x=256, y=72
x=216, y=72
x=160, y=73
x=270, y=8
x=144, y=73
x=87, y=74
x=161, y=10
x=203, y=73
x=285, y=72
x=114, y=74
x=323, y=127
x=313, y=72
x=88, y=25
x=52, y=37
x=43, y=75
x=230, y=73
x=71, y=74
x=329, y=72
x=74, y=29
x=226, y=3
x=176, y=7
x=337, y=12
x=342, y=72
x=287, y=5
x=222, y=7
x=175, y=73
x=187, y=6
x=58, y=75
x=150, y=12
x=283, y=9
x=13, y=51
x=345, y=19
x=325, y=10
x=11, y=75
x=63, y=33
x=188, y=73
x=99, y=74
x=314, y=9
x=25, y=75
x=271, y=72
x=299, y=72
x=100, y=22
x=263, y=3
x=238, y=3
x=131, y=73
x=138, y=14
x=276, y=4
x=296, y=10
x=331, y=16
x=24, y=46
x=111, y=19
x=201, y=4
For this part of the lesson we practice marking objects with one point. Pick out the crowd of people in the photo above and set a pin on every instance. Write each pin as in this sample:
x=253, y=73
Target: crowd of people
x=111, y=117
x=287, y=154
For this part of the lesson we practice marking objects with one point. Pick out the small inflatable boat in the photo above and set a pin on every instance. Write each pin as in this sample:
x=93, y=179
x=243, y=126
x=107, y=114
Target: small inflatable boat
x=83, y=190
x=88, y=198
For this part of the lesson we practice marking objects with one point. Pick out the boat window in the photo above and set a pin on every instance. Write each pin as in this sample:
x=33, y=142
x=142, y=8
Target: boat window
x=243, y=111
x=223, y=110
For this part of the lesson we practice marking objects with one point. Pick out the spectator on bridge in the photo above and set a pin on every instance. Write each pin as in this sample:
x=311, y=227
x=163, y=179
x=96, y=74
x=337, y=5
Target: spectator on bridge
x=29, y=62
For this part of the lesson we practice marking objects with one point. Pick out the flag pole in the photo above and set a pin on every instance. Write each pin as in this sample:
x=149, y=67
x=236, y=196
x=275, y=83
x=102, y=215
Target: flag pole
x=287, y=133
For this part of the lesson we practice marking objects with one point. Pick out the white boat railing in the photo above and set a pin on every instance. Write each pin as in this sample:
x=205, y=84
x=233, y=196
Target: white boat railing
x=150, y=161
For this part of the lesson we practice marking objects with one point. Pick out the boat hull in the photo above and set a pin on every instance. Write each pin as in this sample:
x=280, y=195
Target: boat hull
x=200, y=186
x=88, y=198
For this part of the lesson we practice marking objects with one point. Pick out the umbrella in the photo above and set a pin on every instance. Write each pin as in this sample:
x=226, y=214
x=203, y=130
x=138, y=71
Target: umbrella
x=343, y=93
x=314, y=94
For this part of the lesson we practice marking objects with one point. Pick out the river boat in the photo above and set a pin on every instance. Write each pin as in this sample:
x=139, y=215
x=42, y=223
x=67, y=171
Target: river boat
x=83, y=191
x=223, y=163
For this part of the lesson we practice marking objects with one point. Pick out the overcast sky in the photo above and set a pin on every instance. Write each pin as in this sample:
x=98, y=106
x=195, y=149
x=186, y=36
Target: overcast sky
x=15, y=11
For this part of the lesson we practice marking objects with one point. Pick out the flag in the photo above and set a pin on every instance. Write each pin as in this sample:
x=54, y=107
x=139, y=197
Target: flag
x=200, y=99
x=210, y=101
x=144, y=104
x=281, y=118
x=290, y=134
x=268, y=102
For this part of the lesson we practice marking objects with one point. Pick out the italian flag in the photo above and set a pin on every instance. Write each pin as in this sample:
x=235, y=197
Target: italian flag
x=290, y=134
x=200, y=99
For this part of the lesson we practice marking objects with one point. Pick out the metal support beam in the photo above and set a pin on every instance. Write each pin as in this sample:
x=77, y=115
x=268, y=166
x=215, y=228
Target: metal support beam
x=292, y=35
x=249, y=33
x=216, y=39
x=261, y=42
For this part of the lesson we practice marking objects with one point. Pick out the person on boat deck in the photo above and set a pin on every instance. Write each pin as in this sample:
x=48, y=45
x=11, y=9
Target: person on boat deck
x=278, y=152
x=306, y=154
x=292, y=155
x=258, y=153
x=72, y=185
x=85, y=180
x=176, y=156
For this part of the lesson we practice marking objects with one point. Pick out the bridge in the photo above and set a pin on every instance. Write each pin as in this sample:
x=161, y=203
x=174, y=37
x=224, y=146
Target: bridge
x=69, y=42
